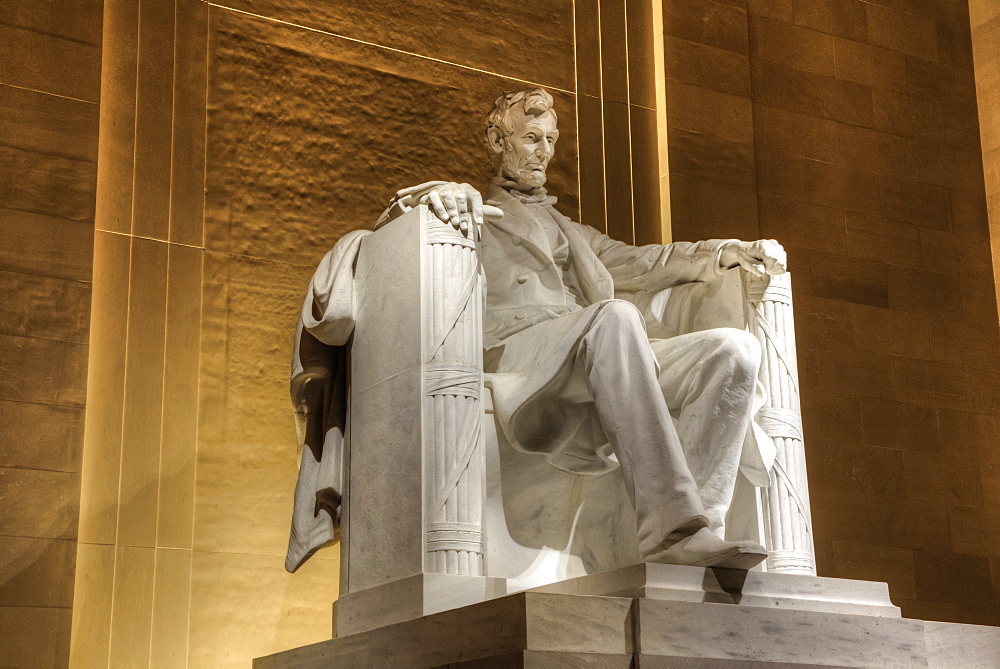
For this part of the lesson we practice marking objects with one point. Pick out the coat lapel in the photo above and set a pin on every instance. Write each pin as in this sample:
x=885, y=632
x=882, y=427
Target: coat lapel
x=594, y=279
x=519, y=224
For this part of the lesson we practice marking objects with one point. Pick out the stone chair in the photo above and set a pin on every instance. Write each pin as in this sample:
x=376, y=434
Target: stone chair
x=440, y=512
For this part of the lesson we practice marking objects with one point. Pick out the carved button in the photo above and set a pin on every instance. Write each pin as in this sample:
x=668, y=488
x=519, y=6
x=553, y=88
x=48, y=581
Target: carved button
x=522, y=278
x=520, y=315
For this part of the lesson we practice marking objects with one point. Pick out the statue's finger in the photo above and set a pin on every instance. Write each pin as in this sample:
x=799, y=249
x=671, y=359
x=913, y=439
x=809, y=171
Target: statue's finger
x=438, y=206
x=462, y=200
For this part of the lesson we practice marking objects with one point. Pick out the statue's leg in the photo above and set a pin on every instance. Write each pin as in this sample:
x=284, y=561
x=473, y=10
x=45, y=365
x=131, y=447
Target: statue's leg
x=708, y=381
x=621, y=375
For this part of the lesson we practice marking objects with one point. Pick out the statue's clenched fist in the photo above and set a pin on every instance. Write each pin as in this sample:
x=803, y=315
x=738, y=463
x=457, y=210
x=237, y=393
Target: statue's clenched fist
x=764, y=256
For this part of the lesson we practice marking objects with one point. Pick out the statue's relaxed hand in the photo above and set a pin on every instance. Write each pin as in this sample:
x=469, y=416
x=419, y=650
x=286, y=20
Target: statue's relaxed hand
x=764, y=256
x=458, y=204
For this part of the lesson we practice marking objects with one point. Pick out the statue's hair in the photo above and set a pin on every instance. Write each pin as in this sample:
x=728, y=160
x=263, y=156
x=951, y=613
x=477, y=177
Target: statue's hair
x=534, y=102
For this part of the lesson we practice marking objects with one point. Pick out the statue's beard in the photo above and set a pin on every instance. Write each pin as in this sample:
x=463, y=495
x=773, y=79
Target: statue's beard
x=524, y=176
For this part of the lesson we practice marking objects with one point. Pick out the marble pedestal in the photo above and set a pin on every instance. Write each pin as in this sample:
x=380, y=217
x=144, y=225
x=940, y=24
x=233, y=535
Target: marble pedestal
x=666, y=616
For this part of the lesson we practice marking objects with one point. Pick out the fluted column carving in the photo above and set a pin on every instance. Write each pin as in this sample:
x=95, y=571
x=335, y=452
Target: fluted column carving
x=453, y=412
x=787, y=524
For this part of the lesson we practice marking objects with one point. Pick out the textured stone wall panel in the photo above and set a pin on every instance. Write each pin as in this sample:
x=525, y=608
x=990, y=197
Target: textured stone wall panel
x=310, y=135
x=532, y=43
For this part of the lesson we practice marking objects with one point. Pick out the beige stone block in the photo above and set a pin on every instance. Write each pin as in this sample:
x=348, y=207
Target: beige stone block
x=945, y=480
x=246, y=455
x=640, y=32
x=969, y=211
x=845, y=278
x=845, y=18
x=592, y=190
x=46, y=307
x=967, y=434
x=247, y=606
x=537, y=43
x=106, y=384
x=924, y=292
x=92, y=603
x=707, y=66
x=801, y=224
x=983, y=38
x=838, y=515
x=981, y=11
x=153, y=120
x=954, y=43
x=330, y=175
x=712, y=23
x=187, y=186
x=703, y=110
x=902, y=31
x=43, y=370
x=859, y=373
x=73, y=19
x=819, y=183
x=39, y=503
x=645, y=176
x=171, y=608
x=702, y=209
x=132, y=606
x=875, y=238
x=35, y=637
x=117, y=137
x=823, y=322
x=37, y=572
x=29, y=246
x=901, y=426
x=618, y=171
x=974, y=531
x=906, y=116
x=907, y=523
x=803, y=135
x=711, y=158
x=782, y=10
x=47, y=184
x=957, y=579
x=180, y=398
x=854, y=467
x=934, y=384
x=831, y=416
x=971, y=344
x=865, y=562
x=870, y=65
x=41, y=436
x=961, y=128
x=142, y=408
x=879, y=153
x=35, y=121
x=790, y=45
x=588, y=48
x=614, y=51
x=939, y=82
x=44, y=62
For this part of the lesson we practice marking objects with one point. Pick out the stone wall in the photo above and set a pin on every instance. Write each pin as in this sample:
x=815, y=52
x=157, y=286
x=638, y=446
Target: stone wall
x=50, y=61
x=848, y=131
x=985, y=19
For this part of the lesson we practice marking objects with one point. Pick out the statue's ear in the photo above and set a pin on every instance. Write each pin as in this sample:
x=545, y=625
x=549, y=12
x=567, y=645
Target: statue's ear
x=495, y=141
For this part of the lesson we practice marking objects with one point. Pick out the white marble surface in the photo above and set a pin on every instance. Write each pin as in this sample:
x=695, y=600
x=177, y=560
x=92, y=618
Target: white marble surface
x=727, y=586
x=556, y=630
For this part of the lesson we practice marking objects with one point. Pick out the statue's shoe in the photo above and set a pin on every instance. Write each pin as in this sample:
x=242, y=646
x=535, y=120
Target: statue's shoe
x=704, y=549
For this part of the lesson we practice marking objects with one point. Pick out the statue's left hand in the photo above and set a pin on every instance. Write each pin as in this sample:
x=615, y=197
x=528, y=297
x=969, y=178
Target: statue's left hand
x=764, y=256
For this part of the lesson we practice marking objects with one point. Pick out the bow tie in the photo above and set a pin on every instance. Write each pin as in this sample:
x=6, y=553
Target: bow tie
x=534, y=196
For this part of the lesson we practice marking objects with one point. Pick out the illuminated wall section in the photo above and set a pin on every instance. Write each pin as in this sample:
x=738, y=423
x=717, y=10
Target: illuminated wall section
x=50, y=63
x=239, y=141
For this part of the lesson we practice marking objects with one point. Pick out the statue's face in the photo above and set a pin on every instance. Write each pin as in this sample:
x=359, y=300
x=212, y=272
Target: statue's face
x=529, y=148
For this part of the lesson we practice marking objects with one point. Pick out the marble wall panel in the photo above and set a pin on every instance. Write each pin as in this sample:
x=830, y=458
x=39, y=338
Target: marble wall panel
x=57, y=370
x=41, y=436
x=41, y=306
x=44, y=123
x=47, y=184
x=75, y=20
x=44, y=62
x=33, y=572
x=536, y=40
x=39, y=503
x=247, y=606
x=29, y=247
x=246, y=460
x=132, y=606
x=301, y=152
x=92, y=598
x=171, y=608
x=35, y=636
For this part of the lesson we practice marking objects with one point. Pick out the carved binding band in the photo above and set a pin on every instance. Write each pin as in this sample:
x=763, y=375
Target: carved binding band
x=785, y=502
x=453, y=387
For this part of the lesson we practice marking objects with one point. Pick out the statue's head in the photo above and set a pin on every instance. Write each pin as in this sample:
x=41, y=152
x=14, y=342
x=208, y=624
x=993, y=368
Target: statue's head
x=521, y=136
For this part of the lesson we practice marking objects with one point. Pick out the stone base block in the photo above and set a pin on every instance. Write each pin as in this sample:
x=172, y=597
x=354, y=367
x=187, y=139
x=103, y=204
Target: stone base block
x=665, y=617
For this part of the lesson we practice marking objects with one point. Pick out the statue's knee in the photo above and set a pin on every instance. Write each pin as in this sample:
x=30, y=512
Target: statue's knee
x=620, y=314
x=739, y=350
